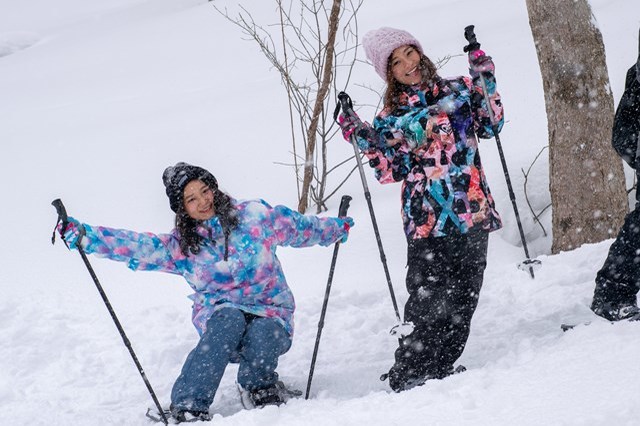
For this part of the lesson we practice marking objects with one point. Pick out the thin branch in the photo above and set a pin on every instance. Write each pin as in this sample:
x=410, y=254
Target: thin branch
x=289, y=97
x=536, y=217
x=302, y=30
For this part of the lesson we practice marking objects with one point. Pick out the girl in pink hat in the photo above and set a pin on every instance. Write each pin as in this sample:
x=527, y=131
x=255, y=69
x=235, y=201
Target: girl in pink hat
x=426, y=137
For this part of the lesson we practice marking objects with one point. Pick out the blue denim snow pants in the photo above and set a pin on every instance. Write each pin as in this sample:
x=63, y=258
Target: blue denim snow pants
x=231, y=336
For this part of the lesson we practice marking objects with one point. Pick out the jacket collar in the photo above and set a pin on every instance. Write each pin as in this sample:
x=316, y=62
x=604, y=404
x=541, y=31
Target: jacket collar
x=210, y=229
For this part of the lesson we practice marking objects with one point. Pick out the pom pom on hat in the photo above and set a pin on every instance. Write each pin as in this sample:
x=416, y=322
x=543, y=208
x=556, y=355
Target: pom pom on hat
x=176, y=178
x=379, y=45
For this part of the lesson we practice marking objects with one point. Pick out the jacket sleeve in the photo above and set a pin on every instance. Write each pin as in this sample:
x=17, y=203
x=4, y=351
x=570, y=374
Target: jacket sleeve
x=141, y=251
x=387, y=149
x=297, y=230
x=395, y=142
x=626, y=124
x=481, y=119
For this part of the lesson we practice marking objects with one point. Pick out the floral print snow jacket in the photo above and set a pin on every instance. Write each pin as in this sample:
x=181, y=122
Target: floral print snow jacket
x=429, y=143
x=250, y=280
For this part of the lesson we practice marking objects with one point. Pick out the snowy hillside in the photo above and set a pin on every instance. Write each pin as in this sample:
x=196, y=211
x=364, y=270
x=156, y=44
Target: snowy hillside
x=97, y=98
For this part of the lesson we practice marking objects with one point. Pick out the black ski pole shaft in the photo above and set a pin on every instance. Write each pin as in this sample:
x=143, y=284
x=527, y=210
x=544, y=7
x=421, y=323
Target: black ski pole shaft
x=62, y=216
x=347, y=107
x=473, y=45
x=342, y=212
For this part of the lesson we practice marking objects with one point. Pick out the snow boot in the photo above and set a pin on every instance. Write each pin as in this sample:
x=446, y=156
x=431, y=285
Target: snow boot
x=277, y=394
x=401, y=378
x=183, y=415
x=615, y=312
x=174, y=415
x=267, y=396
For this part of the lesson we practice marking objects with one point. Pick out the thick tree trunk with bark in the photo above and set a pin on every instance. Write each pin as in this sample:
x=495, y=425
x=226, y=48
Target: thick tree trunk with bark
x=586, y=177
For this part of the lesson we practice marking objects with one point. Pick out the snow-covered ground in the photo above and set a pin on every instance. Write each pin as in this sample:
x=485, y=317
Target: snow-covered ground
x=97, y=98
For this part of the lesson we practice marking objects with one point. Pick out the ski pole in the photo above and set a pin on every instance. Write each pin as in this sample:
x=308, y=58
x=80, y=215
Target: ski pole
x=347, y=107
x=62, y=217
x=342, y=212
x=474, y=45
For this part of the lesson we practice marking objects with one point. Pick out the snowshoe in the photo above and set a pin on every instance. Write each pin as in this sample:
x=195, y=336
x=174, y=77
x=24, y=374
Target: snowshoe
x=398, y=380
x=571, y=326
x=175, y=416
x=610, y=312
x=275, y=395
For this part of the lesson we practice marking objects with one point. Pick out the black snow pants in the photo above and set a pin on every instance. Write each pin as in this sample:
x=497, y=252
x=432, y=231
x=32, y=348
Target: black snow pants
x=618, y=282
x=443, y=280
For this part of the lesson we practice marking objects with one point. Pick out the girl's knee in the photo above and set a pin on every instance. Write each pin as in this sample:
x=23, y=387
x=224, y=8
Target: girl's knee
x=227, y=319
x=268, y=331
x=267, y=327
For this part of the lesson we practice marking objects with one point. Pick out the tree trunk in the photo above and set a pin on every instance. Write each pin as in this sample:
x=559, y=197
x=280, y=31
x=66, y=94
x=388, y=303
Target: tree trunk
x=586, y=177
x=327, y=76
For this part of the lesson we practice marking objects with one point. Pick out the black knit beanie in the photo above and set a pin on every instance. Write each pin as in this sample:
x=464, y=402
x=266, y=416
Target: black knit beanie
x=175, y=178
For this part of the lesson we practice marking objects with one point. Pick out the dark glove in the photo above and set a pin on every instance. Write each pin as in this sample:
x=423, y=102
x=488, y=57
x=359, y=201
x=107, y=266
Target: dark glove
x=347, y=224
x=479, y=62
x=72, y=232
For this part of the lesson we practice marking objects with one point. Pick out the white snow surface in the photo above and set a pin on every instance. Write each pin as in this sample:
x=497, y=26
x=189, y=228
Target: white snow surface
x=98, y=97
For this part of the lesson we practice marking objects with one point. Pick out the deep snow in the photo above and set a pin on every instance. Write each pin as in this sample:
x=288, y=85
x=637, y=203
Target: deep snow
x=97, y=98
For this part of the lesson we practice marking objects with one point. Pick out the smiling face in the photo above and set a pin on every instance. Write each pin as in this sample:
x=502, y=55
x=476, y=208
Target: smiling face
x=198, y=200
x=404, y=63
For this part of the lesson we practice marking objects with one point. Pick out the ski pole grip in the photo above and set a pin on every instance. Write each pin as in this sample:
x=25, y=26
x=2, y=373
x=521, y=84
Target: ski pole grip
x=345, y=103
x=470, y=35
x=344, y=205
x=62, y=212
x=62, y=218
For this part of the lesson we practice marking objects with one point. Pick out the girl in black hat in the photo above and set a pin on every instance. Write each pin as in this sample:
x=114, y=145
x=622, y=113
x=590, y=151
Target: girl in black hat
x=226, y=250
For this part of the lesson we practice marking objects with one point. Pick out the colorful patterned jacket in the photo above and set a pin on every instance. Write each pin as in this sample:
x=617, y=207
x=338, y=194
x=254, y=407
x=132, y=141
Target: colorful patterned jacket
x=251, y=280
x=429, y=143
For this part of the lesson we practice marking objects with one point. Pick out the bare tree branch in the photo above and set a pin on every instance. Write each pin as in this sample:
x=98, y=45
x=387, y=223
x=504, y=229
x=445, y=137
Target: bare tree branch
x=322, y=93
x=536, y=217
x=308, y=42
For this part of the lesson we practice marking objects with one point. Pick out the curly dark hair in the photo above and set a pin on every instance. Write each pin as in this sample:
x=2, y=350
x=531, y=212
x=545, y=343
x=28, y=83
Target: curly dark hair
x=395, y=88
x=225, y=211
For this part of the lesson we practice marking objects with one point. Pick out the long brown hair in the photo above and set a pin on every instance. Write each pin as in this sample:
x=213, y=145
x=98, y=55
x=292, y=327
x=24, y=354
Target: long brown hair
x=395, y=88
x=226, y=213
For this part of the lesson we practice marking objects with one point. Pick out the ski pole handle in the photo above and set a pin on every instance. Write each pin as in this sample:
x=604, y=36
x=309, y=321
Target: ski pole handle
x=62, y=212
x=470, y=35
x=345, y=103
x=62, y=217
x=344, y=205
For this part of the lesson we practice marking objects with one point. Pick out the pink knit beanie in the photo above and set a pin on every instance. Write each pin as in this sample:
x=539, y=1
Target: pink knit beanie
x=379, y=44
